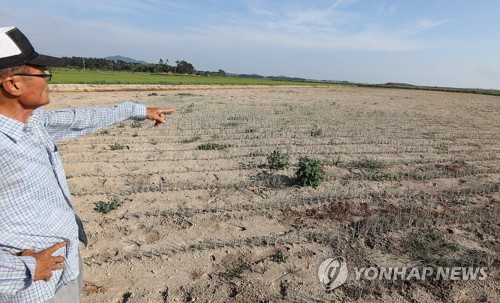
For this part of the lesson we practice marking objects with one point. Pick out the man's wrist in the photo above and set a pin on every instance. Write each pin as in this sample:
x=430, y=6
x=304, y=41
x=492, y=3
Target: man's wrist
x=140, y=112
x=30, y=264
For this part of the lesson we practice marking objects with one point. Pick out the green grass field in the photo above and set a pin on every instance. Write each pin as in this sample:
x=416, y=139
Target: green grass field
x=73, y=76
x=62, y=76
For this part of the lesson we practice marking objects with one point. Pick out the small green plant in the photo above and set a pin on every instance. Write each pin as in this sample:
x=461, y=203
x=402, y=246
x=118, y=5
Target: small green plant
x=372, y=174
x=278, y=159
x=121, y=125
x=185, y=95
x=153, y=141
x=234, y=273
x=105, y=207
x=104, y=132
x=442, y=148
x=464, y=201
x=310, y=172
x=366, y=163
x=230, y=124
x=292, y=270
x=429, y=134
x=430, y=247
x=250, y=130
x=256, y=153
x=212, y=146
x=264, y=268
x=337, y=161
x=152, y=94
x=191, y=140
x=279, y=257
x=238, y=118
x=116, y=146
x=136, y=124
x=188, y=109
x=316, y=131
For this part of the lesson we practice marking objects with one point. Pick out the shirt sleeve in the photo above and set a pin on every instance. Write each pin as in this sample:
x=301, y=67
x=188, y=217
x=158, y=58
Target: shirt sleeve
x=16, y=273
x=70, y=123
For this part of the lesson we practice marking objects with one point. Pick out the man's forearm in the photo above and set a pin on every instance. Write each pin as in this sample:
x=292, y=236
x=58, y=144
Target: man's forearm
x=71, y=123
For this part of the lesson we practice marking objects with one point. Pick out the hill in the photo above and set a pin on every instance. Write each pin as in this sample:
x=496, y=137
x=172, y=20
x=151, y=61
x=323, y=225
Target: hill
x=124, y=59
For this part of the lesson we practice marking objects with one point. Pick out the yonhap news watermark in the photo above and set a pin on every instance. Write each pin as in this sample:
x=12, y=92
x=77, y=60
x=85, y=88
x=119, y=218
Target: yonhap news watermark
x=334, y=272
x=420, y=273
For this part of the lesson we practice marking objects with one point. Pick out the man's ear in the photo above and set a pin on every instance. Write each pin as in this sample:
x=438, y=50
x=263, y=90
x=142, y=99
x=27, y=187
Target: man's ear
x=11, y=86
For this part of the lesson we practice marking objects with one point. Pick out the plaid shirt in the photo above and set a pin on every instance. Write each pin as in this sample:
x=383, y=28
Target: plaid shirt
x=35, y=207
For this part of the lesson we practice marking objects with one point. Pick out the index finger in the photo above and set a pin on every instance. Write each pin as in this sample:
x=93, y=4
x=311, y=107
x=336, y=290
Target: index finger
x=167, y=111
x=55, y=247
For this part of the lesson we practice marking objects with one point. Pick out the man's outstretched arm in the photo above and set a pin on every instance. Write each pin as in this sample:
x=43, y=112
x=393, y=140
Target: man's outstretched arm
x=71, y=123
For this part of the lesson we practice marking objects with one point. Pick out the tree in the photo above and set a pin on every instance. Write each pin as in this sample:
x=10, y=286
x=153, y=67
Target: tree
x=184, y=67
x=163, y=66
x=119, y=65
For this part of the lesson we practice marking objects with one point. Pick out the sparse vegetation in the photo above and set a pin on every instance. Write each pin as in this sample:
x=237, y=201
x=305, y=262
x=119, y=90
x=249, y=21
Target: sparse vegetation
x=250, y=130
x=136, y=124
x=279, y=257
x=429, y=247
x=236, y=272
x=316, y=131
x=185, y=95
x=212, y=146
x=371, y=164
x=191, y=140
x=388, y=193
x=188, y=109
x=230, y=124
x=117, y=146
x=442, y=148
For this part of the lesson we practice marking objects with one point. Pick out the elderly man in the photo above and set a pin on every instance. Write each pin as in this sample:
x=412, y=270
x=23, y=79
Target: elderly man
x=39, y=228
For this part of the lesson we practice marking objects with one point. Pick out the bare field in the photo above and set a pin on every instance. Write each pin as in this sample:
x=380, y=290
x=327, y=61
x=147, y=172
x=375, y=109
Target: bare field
x=411, y=179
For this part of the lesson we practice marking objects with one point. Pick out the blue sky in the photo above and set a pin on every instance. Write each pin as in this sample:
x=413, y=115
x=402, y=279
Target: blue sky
x=425, y=42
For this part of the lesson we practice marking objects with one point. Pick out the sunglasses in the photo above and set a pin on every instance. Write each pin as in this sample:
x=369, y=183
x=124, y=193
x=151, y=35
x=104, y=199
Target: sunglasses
x=46, y=74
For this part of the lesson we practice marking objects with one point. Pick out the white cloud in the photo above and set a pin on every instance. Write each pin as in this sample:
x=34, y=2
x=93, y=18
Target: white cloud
x=306, y=26
x=426, y=24
x=301, y=26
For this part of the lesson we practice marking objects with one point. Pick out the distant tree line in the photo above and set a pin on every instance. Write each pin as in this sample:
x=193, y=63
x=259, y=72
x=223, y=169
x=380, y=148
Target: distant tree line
x=180, y=67
x=219, y=73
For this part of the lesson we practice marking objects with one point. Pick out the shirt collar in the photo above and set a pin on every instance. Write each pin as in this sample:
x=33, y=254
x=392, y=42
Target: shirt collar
x=11, y=128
